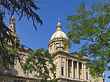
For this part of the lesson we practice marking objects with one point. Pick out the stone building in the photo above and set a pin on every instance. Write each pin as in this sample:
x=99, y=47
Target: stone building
x=68, y=68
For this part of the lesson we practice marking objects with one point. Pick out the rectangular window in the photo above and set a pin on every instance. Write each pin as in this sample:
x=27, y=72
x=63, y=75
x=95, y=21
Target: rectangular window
x=75, y=64
x=87, y=75
x=69, y=63
x=62, y=71
x=68, y=72
x=80, y=65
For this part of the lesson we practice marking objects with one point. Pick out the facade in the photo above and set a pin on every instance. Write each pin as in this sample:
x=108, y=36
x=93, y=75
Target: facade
x=68, y=68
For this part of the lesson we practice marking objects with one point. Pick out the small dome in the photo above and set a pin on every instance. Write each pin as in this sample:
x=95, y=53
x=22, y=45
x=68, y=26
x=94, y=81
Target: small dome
x=59, y=34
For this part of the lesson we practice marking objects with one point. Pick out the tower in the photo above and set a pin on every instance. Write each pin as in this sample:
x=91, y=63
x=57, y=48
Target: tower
x=57, y=40
x=12, y=25
x=13, y=31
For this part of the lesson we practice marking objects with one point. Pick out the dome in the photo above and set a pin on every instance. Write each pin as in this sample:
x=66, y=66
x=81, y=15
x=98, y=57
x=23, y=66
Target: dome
x=59, y=33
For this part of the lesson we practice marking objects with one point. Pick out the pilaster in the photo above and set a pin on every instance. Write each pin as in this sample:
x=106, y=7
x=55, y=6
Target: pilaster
x=59, y=66
x=84, y=76
x=77, y=69
x=67, y=68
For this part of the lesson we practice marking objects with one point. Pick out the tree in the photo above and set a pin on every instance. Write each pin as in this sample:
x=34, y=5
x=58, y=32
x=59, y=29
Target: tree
x=36, y=63
x=7, y=55
x=9, y=7
x=93, y=26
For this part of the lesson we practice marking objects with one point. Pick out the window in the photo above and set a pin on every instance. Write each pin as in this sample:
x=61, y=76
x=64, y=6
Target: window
x=87, y=75
x=57, y=44
x=69, y=63
x=80, y=65
x=62, y=70
x=75, y=64
x=69, y=72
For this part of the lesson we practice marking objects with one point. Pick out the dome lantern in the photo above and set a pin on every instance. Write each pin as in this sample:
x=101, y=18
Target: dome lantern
x=58, y=25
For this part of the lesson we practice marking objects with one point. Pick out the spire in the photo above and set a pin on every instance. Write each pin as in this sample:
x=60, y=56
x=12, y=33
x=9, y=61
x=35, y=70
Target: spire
x=12, y=19
x=12, y=25
x=58, y=25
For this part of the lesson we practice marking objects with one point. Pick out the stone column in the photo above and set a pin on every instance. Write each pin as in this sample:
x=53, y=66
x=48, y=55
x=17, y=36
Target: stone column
x=53, y=50
x=60, y=46
x=72, y=69
x=59, y=66
x=88, y=72
x=77, y=69
x=84, y=76
x=67, y=68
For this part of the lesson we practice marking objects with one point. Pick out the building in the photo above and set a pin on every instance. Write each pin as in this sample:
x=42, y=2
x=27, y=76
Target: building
x=69, y=69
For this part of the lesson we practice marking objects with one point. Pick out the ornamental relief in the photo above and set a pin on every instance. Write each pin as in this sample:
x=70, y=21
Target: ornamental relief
x=62, y=64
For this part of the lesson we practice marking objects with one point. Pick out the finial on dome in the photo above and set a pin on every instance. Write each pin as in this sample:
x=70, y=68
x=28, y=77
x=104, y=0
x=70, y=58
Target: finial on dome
x=58, y=19
x=58, y=25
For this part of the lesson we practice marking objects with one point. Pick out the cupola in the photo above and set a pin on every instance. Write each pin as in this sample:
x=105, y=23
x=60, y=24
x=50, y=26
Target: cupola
x=56, y=42
x=59, y=33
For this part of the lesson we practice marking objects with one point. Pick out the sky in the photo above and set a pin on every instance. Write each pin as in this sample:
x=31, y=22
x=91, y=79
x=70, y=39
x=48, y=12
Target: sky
x=49, y=12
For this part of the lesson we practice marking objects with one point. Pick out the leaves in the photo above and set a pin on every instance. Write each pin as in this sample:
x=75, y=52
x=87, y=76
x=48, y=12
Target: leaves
x=92, y=25
x=22, y=8
x=37, y=62
x=26, y=8
x=7, y=59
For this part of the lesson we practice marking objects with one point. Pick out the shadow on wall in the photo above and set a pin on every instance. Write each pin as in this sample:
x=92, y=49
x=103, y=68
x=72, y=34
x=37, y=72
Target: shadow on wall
x=12, y=71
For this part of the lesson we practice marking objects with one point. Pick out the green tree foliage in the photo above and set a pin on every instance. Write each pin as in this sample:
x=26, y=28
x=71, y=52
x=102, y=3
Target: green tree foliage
x=7, y=55
x=36, y=63
x=93, y=26
x=21, y=8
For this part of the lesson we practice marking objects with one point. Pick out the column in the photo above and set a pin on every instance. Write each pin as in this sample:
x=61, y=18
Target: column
x=59, y=66
x=84, y=76
x=77, y=69
x=88, y=72
x=53, y=50
x=72, y=69
x=59, y=46
x=67, y=68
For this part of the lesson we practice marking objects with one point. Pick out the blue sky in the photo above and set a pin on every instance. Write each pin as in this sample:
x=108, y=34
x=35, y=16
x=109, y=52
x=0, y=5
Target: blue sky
x=49, y=12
